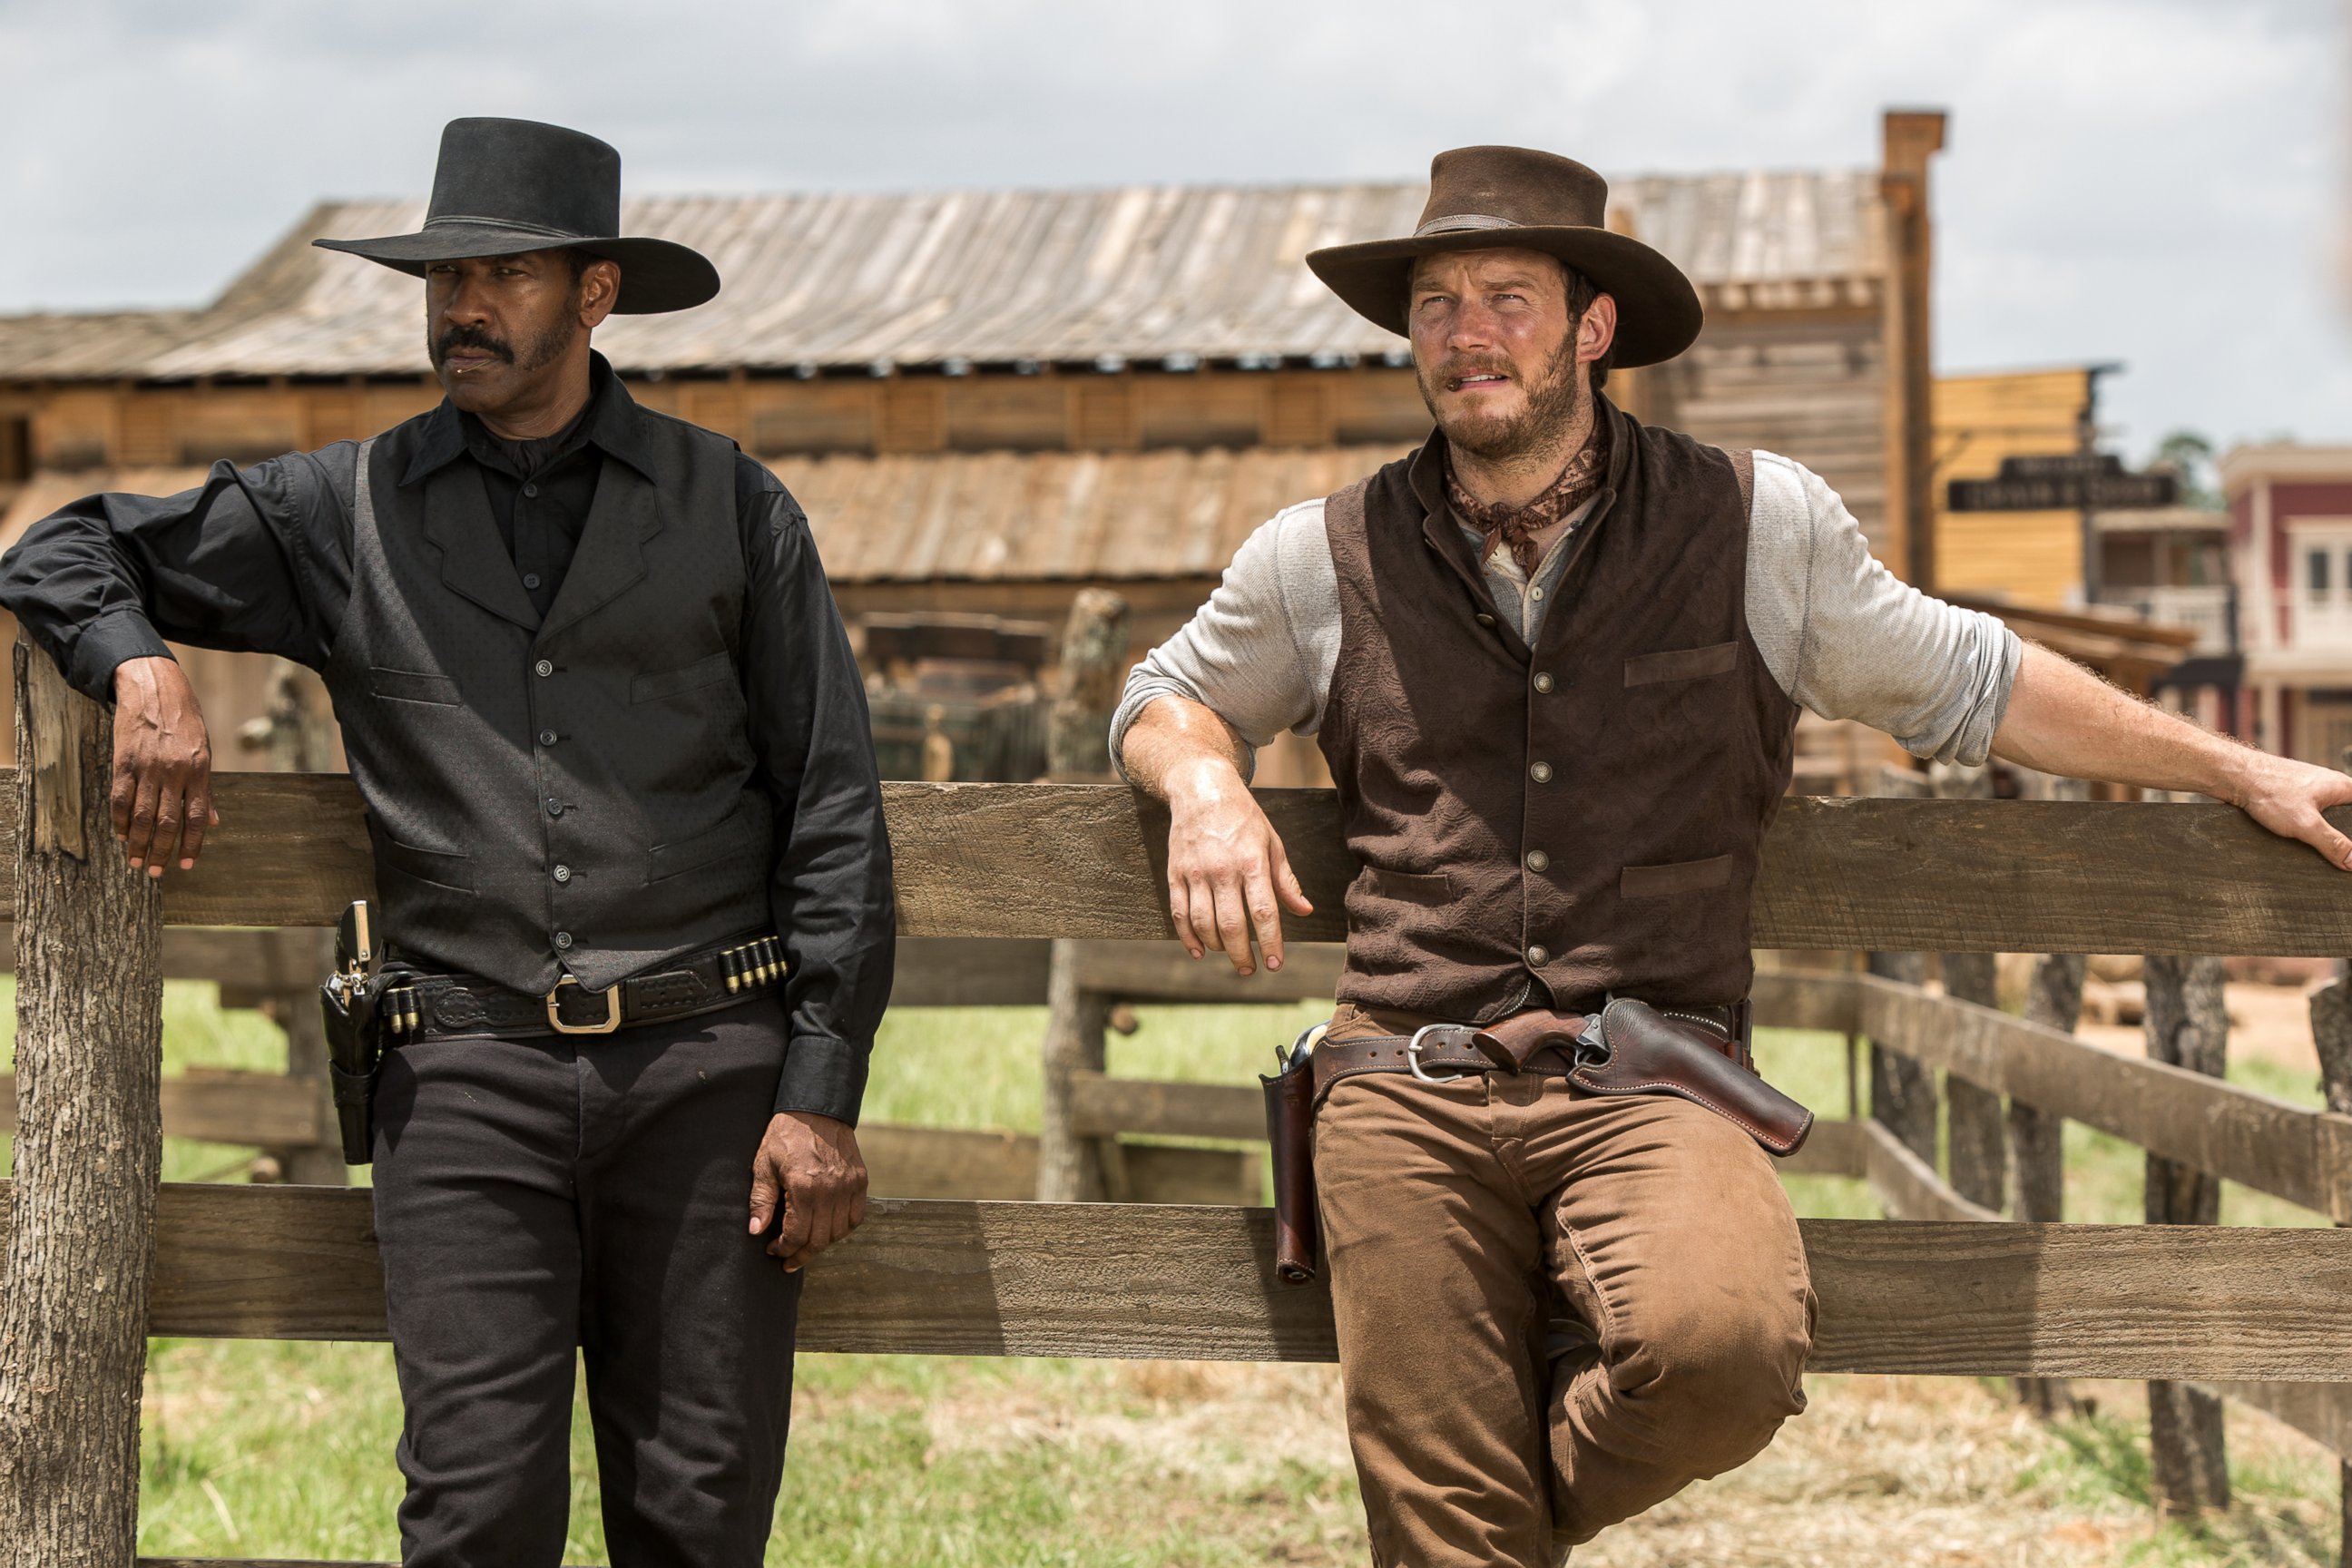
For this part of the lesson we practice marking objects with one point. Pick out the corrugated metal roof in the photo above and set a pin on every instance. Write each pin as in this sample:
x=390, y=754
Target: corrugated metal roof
x=985, y=516
x=1142, y=273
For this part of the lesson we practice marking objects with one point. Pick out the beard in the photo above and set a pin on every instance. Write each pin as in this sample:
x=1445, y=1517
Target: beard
x=541, y=350
x=1555, y=401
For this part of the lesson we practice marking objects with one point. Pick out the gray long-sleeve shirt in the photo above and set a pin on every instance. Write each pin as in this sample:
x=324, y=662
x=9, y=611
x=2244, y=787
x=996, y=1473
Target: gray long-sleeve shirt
x=1842, y=635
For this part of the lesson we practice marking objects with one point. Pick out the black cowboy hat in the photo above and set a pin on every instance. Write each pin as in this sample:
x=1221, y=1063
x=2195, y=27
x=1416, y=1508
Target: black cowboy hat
x=505, y=187
x=1483, y=199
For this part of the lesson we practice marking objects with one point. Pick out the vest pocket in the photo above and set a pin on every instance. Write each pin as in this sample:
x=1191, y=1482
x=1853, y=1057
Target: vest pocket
x=657, y=684
x=413, y=686
x=1677, y=877
x=1682, y=664
x=1434, y=888
x=730, y=837
x=441, y=868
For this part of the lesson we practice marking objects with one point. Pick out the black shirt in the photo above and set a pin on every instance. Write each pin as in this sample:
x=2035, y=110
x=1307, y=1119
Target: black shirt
x=257, y=560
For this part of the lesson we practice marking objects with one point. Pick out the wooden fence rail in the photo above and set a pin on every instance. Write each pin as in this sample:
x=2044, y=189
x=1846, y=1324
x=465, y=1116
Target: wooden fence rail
x=1085, y=861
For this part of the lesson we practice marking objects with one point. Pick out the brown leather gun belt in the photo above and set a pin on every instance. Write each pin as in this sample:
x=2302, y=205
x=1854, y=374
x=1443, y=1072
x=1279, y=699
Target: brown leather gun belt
x=439, y=1006
x=1536, y=1041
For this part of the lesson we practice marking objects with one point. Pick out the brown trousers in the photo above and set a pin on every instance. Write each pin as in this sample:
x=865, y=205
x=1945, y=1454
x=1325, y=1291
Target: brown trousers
x=1461, y=1219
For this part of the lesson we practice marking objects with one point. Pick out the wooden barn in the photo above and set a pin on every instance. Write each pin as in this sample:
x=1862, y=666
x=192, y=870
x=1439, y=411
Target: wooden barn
x=989, y=400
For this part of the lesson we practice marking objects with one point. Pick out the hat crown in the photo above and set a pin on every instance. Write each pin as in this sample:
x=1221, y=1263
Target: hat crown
x=1511, y=187
x=540, y=178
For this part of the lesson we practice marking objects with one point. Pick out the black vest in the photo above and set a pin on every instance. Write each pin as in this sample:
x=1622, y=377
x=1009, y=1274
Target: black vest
x=576, y=794
x=1589, y=810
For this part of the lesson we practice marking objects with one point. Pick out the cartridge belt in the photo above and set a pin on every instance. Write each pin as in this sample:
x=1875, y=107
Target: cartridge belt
x=431, y=1006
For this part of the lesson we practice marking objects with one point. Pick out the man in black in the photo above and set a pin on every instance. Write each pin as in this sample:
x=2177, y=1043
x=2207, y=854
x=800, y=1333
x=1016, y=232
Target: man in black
x=620, y=781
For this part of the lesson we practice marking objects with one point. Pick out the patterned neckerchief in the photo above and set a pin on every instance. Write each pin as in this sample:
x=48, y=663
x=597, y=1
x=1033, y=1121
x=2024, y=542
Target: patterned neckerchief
x=1517, y=526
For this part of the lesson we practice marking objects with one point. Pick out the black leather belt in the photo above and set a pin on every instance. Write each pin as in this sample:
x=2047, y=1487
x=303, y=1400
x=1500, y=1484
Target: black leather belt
x=439, y=1006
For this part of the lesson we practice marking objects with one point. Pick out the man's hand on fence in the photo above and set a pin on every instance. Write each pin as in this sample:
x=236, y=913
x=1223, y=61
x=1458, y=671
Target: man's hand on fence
x=162, y=791
x=1227, y=870
x=809, y=1169
x=2287, y=797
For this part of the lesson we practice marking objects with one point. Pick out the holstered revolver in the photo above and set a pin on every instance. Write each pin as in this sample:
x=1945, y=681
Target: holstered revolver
x=363, y=1002
x=1290, y=1128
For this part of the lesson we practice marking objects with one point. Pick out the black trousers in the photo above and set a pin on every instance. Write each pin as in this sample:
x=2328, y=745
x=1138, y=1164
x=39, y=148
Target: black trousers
x=532, y=1196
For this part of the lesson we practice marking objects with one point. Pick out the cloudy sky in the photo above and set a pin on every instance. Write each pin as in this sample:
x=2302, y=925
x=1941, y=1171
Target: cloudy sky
x=2156, y=182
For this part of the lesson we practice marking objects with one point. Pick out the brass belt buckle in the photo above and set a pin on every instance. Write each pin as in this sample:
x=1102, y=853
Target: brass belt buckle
x=612, y=1010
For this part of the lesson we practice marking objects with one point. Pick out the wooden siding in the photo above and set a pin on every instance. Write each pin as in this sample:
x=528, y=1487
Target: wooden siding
x=2033, y=557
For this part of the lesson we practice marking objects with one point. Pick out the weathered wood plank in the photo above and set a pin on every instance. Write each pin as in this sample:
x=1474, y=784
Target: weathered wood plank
x=969, y=972
x=1908, y=1185
x=1136, y=1280
x=1085, y=860
x=2231, y=1132
x=1160, y=971
x=961, y=1163
x=265, y=1109
x=2320, y=1411
x=1792, y=1000
x=247, y=961
x=1833, y=1148
x=1104, y=1107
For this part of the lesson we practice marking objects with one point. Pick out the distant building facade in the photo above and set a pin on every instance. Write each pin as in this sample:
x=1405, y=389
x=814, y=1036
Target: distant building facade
x=2290, y=546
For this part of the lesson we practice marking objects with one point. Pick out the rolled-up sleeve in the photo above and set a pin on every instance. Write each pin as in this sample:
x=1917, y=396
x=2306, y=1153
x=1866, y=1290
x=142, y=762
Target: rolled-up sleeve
x=831, y=893
x=1848, y=639
x=1259, y=654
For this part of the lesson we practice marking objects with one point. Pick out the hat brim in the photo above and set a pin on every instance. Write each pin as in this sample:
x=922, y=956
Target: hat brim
x=656, y=275
x=1658, y=311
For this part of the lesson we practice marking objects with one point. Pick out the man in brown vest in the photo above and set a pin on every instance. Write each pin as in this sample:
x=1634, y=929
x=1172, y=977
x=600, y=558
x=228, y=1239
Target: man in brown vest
x=1555, y=659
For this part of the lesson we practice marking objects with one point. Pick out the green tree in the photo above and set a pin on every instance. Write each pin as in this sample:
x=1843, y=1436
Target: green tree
x=2189, y=455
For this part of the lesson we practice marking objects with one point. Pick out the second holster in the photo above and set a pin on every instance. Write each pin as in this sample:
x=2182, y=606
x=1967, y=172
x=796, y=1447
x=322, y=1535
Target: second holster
x=1290, y=1129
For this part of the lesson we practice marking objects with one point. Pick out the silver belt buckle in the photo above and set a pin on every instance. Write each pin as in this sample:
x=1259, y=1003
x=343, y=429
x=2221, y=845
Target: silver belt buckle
x=612, y=1010
x=1412, y=1050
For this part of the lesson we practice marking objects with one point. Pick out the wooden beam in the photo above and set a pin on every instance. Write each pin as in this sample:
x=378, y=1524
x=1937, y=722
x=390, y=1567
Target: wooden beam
x=1907, y=1184
x=961, y=1163
x=2302, y=1156
x=1150, y=1281
x=265, y=1109
x=1104, y=1107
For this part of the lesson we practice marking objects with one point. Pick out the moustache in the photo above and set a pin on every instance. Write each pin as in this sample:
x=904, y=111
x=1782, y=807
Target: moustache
x=470, y=338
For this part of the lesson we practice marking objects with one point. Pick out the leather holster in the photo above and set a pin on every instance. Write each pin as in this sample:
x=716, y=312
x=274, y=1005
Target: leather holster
x=1636, y=1049
x=1290, y=1129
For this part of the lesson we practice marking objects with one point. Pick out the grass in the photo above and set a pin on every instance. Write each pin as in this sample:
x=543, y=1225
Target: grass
x=281, y=1449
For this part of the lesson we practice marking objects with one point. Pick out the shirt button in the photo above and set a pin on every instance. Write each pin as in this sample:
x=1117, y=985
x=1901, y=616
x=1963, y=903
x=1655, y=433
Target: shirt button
x=547, y=737
x=1538, y=954
x=531, y=579
x=1485, y=619
x=554, y=806
x=1541, y=772
x=563, y=939
x=1535, y=593
x=1542, y=681
x=1538, y=861
x=531, y=490
x=564, y=873
x=546, y=667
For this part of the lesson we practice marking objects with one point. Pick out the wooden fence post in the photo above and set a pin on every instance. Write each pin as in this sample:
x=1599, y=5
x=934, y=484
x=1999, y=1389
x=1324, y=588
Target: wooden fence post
x=1980, y=1153
x=1901, y=1092
x=1094, y=664
x=2188, y=1026
x=90, y=1146
x=2331, y=1031
x=1069, y=1169
x=2037, y=1145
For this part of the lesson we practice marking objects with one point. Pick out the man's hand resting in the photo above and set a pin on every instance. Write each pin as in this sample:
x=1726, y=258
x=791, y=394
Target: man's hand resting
x=811, y=1164
x=162, y=797
x=1228, y=874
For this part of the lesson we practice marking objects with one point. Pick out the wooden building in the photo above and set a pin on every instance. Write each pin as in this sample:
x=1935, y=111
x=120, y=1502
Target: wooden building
x=990, y=400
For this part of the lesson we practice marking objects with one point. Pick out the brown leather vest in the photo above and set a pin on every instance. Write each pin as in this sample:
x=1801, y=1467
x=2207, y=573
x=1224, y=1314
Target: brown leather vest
x=1587, y=813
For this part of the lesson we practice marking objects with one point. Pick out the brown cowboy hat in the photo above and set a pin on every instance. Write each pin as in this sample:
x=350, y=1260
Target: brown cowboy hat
x=1486, y=198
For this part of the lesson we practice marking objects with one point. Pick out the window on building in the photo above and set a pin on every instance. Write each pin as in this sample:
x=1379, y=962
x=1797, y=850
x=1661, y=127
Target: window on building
x=2315, y=575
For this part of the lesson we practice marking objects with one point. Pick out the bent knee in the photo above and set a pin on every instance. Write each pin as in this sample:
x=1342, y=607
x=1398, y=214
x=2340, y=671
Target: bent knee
x=1722, y=1387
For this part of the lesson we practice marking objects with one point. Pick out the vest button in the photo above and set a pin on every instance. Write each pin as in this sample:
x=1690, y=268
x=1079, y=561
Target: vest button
x=547, y=737
x=1538, y=861
x=1540, y=772
x=1535, y=593
x=531, y=490
x=564, y=873
x=564, y=940
x=1539, y=955
x=1542, y=681
x=530, y=579
x=554, y=806
x=546, y=667
x=1485, y=619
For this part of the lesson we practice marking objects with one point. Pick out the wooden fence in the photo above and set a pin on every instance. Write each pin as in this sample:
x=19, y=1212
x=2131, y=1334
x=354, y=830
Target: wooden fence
x=1070, y=863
